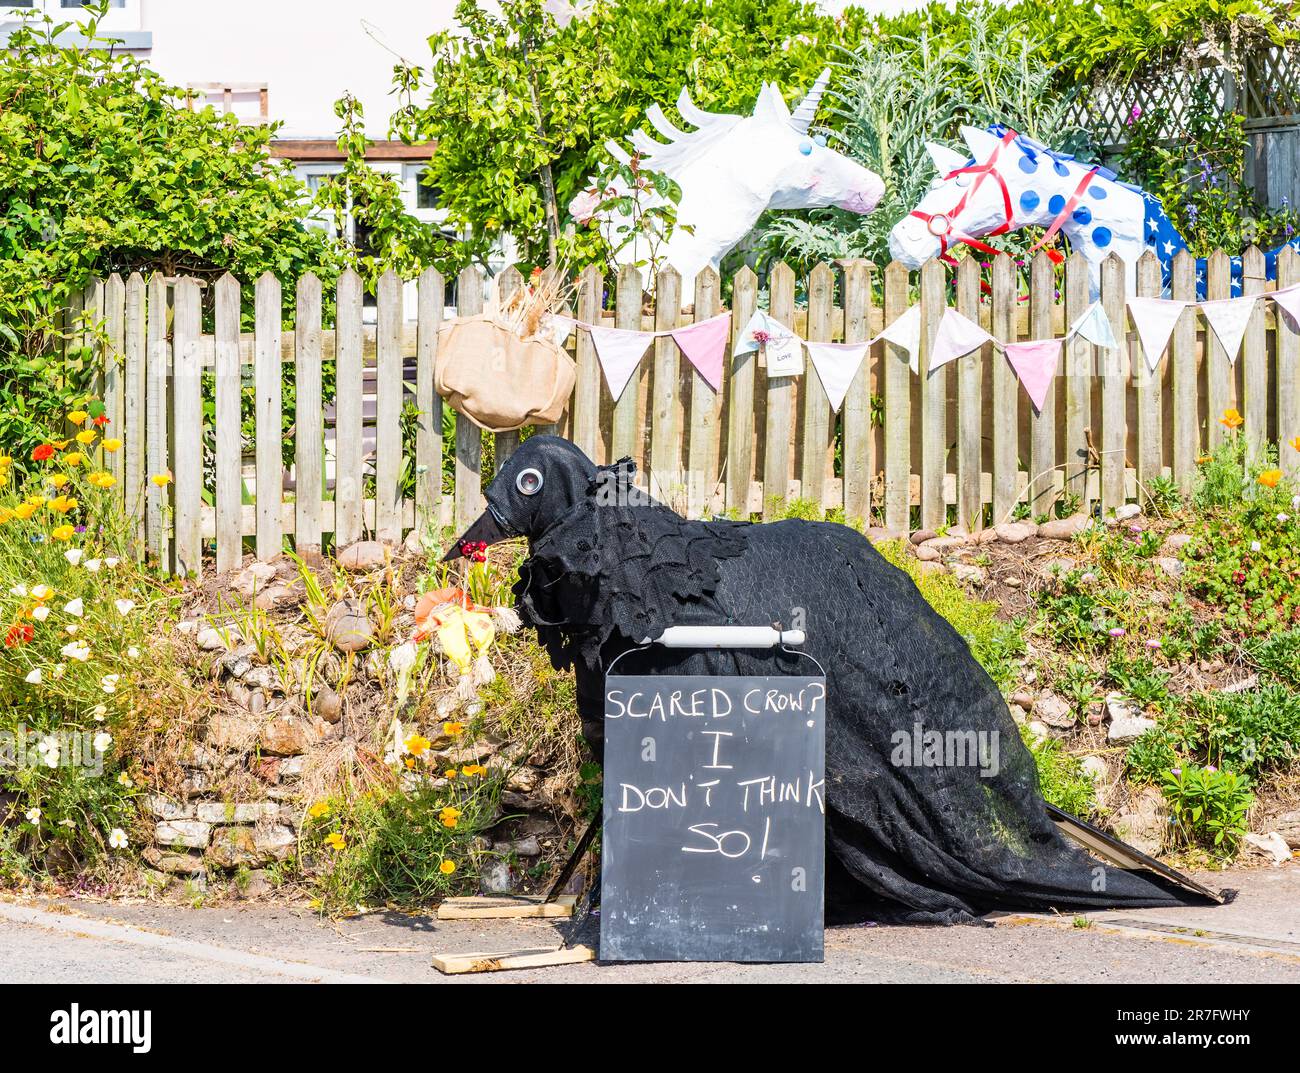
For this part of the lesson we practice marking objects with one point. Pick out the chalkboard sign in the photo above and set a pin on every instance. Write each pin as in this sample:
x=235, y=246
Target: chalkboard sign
x=714, y=824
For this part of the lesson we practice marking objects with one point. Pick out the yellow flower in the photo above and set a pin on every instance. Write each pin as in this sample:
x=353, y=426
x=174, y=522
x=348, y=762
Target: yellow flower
x=36, y=501
x=59, y=444
x=450, y=773
x=1295, y=444
x=1202, y=459
x=73, y=458
x=321, y=808
x=42, y=592
x=1232, y=419
x=162, y=480
x=25, y=510
x=102, y=480
x=1270, y=477
x=112, y=444
x=447, y=867
x=63, y=532
x=470, y=770
x=62, y=504
x=58, y=480
x=86, y=437
x=6, y=460
x=453, y=729
x=417, y=744
x=449, y=816
x=5, y=515
x=78, y=417
x=335, y=841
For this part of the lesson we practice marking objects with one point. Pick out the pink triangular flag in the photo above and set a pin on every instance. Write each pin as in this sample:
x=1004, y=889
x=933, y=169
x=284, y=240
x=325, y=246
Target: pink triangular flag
x=1035, y=364
x=956, y=337
x=836, y=364
x=704, y=344
x=1229, y=317
x=619, y=351
x=1289, y=299
x=1154, y=319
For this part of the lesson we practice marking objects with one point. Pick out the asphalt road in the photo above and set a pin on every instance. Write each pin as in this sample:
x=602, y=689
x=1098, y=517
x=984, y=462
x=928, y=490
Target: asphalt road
x=1257, y=938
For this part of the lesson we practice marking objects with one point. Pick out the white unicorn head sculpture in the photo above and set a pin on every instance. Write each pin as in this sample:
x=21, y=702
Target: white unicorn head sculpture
x=730, y=170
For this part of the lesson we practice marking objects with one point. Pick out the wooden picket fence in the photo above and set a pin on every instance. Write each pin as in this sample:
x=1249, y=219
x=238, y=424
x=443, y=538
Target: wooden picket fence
x=961, y=444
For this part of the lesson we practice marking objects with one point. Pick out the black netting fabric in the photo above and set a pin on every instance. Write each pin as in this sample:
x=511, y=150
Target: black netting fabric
x=908, y=838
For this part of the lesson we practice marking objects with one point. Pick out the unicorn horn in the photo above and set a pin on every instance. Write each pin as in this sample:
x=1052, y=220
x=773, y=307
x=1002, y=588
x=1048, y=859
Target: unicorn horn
x=803, y=116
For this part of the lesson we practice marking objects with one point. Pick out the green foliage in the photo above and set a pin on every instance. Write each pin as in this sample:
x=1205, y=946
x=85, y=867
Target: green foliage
x=518, y=103
x=1061, y=778
x=1139, y=680
x=1244, y=555
x=1152, y=755
x=1252, y=731
x=1209, y=805
x=1278, y=656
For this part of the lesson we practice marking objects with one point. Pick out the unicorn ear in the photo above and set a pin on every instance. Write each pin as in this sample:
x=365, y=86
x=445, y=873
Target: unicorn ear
x=946, y=160
x=981, y=142
x=771, y=105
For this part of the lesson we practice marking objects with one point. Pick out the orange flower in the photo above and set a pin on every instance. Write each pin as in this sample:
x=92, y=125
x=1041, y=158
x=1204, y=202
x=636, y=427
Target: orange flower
x=25, y=510
x=447, y=867
x=1232, y=419
x=63, y=532
x=453, y=729
x=62, y=504
x=449, y=816
x=86, y=437
x=1270, y=477
x=1200, y=461
x=417, y=744
x=450, y=773
x=162, y=480
x=1295, y=444
x=73, y=458
x=335, y=841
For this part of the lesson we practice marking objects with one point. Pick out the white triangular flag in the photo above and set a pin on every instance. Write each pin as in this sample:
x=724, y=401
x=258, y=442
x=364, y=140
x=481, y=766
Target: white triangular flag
x=1154, y=319
x=957, y=336
x=1095, y=327
x=783, y=350
x=905, y=332
x=1289, y=299
x=836, y=364
x=619, y=352
x=558, y=327
x=1229, y=318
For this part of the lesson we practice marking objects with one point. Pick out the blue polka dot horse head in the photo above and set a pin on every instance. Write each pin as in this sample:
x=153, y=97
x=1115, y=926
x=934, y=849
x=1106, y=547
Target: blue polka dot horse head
x=1010, y=181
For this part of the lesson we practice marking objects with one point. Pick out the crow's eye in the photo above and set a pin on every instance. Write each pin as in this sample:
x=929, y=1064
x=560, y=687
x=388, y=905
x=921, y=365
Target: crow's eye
x=529, y=482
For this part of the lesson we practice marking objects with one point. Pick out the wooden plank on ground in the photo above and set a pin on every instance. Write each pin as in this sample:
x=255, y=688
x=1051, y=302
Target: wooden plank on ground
x=533, y=958
x=506, y=907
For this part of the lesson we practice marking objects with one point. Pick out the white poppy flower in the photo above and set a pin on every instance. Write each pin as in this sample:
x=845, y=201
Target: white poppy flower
x=124, y=607
x=1254, y=545
x=117, y=838
x=67, y=823
x=40, y=612
x=102, y=741
x=78, y=650
x=111, y=561
x=92, y=565
x=70, y=629
x=18, y=590
x=75, y=608
x=109, y=683
x=33, y=815
x=42, y=592
x=48, y=747
x=73, y=555
x=33, y=677
x=133, y=653
x=99, y=711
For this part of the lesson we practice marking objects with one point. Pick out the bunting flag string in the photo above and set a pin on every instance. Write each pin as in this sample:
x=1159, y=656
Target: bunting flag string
x=1035, y=364
x=956, y=337
x=1229, y=317
x=619, y=351
x=704, y=343
x=1154, y=319
x=837, y=364
x=1094, y=326
x=905, y=332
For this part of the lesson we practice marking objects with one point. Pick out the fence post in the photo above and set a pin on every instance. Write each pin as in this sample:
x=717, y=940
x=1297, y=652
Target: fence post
x=229, y=445
x=626, y=439
x=970, y=400
x=1254, y=358
x=508, y=283
x=1116, y=366
x=934, y=400
x=469, y=445
x=114, y=388
x=816, y=406
x=1186, y=407
x=858, y=467
x=585, y=404
x=157, y=407
x=270, y=433
x=1079, y=368
x=135, y=392
x=665, y=437
x=1218, y=370
x=187, y=426
x=740, y=413
x=898, y=409
x=1150, y=447
x=349, y=496
x=389, y=390
x=1006, y=395
x=1288, y=368
x=780, y=402
x=706, y=410
x=309, y=425
x=1042, y=423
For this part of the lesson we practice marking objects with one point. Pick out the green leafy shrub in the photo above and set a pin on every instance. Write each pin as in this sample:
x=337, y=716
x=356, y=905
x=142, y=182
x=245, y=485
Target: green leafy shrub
x=1278, y=655
x=1061, y=778
x=1209, y=806
x=1253, y=731
x=1151, y=756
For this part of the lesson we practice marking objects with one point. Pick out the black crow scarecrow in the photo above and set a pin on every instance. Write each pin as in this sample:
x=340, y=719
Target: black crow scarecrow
x=909, y=838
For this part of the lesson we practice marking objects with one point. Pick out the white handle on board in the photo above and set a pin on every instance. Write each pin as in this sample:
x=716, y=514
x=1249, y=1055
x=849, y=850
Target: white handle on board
x=726, y=637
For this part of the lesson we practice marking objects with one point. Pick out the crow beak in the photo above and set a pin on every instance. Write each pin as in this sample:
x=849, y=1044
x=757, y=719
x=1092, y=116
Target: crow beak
x=486, y=528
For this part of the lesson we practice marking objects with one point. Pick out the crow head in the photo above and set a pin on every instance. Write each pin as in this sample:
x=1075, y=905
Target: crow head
x=538, y=485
